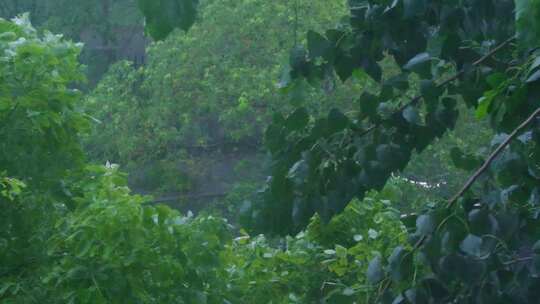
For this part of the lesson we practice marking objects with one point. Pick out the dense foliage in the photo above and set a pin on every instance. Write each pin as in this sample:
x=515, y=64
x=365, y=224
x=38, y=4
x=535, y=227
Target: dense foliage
x=93, y=242
x=479, y=247
x=39, y=135
x=332, y=159
x=72, y=232
x=206, y=94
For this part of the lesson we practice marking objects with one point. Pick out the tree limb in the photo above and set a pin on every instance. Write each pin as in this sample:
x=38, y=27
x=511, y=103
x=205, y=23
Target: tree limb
x=492, y=157
x=417, y=98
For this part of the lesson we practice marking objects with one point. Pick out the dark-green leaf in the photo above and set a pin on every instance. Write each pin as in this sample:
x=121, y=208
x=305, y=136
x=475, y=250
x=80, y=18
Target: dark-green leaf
x=318, y=45
x=420, y=64
x=400, y=264
x=375, y=272
x=297, y=120
x=412, y=116
x=425, y=224
x=472, y=245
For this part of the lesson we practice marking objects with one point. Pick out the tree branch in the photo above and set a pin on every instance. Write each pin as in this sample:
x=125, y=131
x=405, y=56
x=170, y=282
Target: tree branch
x=480, y=171
x=417, y=98
x=492, y=157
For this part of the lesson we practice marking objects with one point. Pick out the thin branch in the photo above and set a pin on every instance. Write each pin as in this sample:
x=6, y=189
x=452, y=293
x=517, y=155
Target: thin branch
x=492, y=157
x=482, y=169
x=518, y=260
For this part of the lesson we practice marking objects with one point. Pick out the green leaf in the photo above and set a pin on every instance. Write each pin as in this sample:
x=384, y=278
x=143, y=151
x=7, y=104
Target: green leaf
x=535, y=64
x=420, y=64
x=400, y=264
x=534, y=77
x=481, y=222
x=485, y=102
x=273, y=136
x=337, y=121
x=318, y=45
x=368, y=105
x=425, y=224
x=409, y=220
x=496, y=79
x=412, y=116
x=344, y=66
x=455, y=266
x=375, y=271
x=429, y=90
x=341, y=251
x=8, y=36
x=472, y=245
x=372, y=68
x=297, y=120
x=298, y=172
x=285, y=79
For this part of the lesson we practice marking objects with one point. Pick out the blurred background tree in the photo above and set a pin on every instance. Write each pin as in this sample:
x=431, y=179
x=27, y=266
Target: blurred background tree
x=110, y=30
x=191, y=119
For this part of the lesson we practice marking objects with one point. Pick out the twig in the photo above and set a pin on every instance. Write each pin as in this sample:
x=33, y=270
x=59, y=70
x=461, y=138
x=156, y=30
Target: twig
x=519, y=260
x=492, y=157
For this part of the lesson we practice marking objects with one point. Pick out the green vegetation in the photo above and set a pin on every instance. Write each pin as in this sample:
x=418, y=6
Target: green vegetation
x=107, y=27
x=207, y=94
x=402, y=145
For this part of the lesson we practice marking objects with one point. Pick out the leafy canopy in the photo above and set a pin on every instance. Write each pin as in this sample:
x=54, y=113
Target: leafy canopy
x=207, y=94
x=39, y=135
x=94, y=242
x=480, y=246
